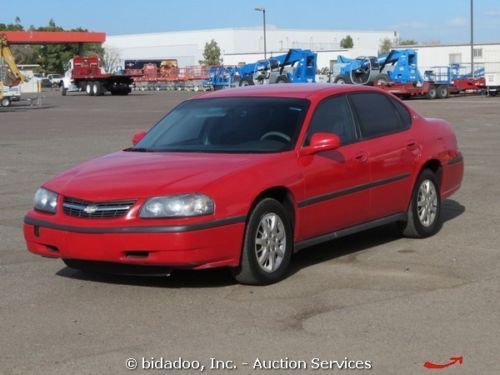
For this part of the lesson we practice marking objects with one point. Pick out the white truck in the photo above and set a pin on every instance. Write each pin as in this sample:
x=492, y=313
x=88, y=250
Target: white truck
x=492, y=72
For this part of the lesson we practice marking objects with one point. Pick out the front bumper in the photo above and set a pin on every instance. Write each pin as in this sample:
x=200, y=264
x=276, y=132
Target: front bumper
x=198, y=246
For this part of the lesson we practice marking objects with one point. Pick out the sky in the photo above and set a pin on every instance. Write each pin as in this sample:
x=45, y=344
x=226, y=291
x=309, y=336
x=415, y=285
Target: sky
x=445, y=21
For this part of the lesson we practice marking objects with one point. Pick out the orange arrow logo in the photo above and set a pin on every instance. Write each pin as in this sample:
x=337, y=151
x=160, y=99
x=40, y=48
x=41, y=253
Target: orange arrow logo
x=454, y=360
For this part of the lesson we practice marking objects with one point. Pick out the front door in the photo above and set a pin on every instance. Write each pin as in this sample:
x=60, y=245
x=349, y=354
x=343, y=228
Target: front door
x=336, y=182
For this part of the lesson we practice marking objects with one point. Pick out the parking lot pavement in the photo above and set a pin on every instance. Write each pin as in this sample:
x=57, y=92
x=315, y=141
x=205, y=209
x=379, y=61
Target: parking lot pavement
x=372, y=297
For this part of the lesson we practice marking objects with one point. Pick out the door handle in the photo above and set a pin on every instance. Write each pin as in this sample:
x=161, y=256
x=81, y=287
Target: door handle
x=412, y=144
x=361, y=157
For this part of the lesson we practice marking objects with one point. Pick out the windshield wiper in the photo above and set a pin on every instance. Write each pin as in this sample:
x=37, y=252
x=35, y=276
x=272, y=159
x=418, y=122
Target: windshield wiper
x=138, y=149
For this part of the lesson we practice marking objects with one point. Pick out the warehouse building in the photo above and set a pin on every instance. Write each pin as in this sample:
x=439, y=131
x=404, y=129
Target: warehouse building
x=246, y=44
x=445, y=54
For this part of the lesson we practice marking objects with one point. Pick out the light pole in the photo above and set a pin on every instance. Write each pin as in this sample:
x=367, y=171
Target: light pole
x=472, y=37
x=263, y=10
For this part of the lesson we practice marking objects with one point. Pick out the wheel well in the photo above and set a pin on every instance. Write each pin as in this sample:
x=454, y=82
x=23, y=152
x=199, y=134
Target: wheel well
x=435, y=166
x=282, y=195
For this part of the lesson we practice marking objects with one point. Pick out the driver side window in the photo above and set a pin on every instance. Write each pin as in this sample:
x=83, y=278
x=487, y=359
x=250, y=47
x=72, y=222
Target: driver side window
x=333, y=115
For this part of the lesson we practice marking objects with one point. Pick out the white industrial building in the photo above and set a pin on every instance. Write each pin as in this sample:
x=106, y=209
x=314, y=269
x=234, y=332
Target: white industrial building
x=246, y=44
x=444, y=55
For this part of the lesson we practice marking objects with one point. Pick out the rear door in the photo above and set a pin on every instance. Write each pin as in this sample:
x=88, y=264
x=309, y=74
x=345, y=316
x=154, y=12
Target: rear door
x=386, y=130
x=336, y=193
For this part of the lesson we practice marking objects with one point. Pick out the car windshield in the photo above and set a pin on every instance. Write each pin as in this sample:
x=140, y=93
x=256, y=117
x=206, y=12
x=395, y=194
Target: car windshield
x=228, y=125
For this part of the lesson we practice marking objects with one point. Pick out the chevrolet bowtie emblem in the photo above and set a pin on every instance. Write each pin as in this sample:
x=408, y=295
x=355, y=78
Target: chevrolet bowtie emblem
x=90, y=209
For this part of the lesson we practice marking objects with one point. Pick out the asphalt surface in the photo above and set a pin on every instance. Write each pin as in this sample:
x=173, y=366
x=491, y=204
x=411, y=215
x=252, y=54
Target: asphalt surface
x=371, y=297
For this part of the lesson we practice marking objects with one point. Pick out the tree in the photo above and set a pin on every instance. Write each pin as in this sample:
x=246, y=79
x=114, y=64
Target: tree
x=211, y=54
x=16, y=26
x=110, y=59
x=407, y=42
x=385, y=46
x=347, y=42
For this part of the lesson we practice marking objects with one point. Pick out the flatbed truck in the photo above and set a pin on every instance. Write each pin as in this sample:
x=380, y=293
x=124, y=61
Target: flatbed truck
x=86, y=74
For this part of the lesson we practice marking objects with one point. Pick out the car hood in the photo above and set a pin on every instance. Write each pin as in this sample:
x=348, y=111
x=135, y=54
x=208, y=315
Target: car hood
x=124, y=175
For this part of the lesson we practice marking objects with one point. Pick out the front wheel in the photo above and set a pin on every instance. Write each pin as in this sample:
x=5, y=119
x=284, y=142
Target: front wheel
x=432, y=93
x=443, y=92
x=342, y=80
x=246, y=81
x=425, y=207
x=283, y=79
x=268, y=245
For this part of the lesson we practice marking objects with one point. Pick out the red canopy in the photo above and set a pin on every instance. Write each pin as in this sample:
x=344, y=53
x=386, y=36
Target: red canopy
x=52, y=37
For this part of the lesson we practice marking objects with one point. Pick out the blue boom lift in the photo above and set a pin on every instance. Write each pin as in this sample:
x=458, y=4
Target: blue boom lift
x=296, y=66
x=398, y=66
x=398, y=73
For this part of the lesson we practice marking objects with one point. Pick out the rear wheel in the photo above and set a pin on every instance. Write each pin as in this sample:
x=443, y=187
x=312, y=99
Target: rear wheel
x=88, y=88
x=443, y=92
x=97, y=88
x=268, y=245
x=382, y=78
x=6, y=102
x=425, y=207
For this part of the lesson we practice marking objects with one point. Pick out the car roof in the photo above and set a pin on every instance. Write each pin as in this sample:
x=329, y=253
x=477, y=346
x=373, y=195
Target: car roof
x=286, y=90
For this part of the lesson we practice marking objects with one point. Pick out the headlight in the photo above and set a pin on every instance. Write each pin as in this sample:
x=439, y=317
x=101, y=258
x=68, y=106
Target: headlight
x=45, y=200
x=177, y=206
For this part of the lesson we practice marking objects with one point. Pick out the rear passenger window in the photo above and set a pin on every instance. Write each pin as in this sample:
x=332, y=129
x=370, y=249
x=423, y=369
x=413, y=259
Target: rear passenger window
x=404, y=115
x=376, y=114
x=333, y=115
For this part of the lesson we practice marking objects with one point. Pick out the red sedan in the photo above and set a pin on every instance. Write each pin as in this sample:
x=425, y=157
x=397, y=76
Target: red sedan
x=242, y=178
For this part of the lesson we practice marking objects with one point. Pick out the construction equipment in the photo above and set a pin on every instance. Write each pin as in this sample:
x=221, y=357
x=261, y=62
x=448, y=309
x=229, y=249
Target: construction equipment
x=166, y=75
x=86, y=74
x=398, y=73
x=360, y=71
x=296, y=66
x=397, y=66
x=10, y=75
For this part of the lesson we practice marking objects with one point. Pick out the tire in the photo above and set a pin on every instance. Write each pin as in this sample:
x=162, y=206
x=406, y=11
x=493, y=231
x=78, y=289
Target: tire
x=63, y=90
x=88, y=88
x=432, y=93
x=342, y=80
x=382, y=78
x=5, y=102
x=97, y=89
x=253, y=271
x=282, y=79
x=428, y=223
x=442, y=92
x=246, y=81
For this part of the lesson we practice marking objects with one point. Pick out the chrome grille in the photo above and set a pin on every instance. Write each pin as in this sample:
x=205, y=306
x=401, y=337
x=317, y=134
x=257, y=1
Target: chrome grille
x=97, y=210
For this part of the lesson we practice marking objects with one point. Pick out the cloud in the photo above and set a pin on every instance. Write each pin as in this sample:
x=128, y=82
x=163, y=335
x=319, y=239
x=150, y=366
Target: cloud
x=493, y=13
x=457, y=21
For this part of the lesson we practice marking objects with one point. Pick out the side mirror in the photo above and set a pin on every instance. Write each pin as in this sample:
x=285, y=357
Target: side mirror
x=322, y=142
x=137, y=137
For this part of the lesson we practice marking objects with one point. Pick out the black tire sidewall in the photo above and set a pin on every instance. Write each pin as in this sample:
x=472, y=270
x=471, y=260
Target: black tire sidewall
x=432, y=93
x=264, y=207
x=422, y=230
x=343, y=78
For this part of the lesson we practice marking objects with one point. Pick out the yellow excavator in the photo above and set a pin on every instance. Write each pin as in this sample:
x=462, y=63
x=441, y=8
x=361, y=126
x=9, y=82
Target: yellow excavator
x=10, y=74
